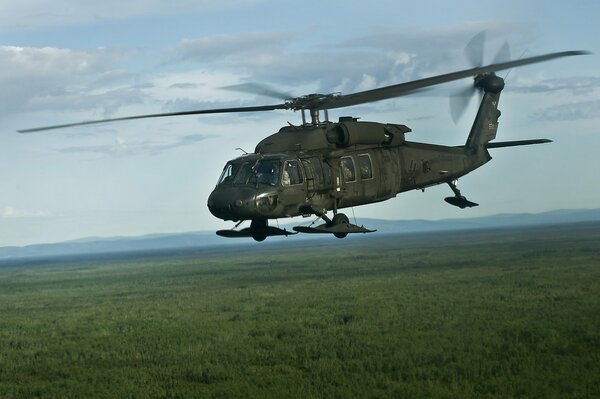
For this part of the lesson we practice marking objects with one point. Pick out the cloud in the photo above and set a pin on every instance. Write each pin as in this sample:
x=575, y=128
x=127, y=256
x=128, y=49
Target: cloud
x=18, y=62
x=35, y=14
x=261, y=46
x=266, y=57
x=184, y=86
x=108, y=101
x=49, y=78
x=10, y=212
x=574, y=85
x=383, y=56
x=96, y=83
x=570, y=112
x=121, y=147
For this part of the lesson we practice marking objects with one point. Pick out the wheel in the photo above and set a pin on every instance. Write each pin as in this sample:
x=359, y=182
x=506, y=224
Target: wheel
x=259, y=229
x=338, y=219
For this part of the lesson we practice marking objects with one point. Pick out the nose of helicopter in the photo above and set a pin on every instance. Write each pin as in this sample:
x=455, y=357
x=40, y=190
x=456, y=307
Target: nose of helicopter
x=232, y=203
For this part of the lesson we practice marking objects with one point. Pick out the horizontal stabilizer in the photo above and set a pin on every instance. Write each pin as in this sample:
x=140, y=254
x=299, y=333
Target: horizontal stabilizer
x=460, y=202
x=516, y=143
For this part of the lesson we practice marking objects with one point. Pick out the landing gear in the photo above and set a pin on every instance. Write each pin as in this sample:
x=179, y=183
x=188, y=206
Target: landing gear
x=339, y=226
x=258, y=229
x=340, y=220
x=458, y=200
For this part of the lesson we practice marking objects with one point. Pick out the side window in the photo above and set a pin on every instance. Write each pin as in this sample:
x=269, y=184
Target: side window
x=366, y=169
x=292, y=173
x=317, y=171
x=347, y=167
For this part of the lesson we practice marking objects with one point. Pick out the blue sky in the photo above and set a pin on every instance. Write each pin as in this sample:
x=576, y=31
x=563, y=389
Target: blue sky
x=65, y=61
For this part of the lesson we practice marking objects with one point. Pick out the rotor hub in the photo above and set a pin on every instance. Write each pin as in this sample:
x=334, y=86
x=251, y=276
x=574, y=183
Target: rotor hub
x=489, y=82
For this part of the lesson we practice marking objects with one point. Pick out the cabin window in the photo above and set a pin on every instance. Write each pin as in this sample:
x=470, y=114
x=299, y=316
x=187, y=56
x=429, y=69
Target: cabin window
x=365, y=166
x=292, y=173
x=348, y=170
x=314, y=165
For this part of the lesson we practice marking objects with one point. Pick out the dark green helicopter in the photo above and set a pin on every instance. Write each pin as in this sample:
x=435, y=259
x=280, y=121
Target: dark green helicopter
x=326, y=166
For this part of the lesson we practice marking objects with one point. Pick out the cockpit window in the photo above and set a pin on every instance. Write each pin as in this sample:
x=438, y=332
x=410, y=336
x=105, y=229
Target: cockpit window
x=267, y=172
x=245, y=174
x=228, y=173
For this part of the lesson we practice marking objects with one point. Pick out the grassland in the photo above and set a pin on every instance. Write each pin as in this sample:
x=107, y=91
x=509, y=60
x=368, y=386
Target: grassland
x=486, y=314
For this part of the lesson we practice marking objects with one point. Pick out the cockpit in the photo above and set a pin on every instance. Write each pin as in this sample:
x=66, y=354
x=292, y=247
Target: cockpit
x=264, y=171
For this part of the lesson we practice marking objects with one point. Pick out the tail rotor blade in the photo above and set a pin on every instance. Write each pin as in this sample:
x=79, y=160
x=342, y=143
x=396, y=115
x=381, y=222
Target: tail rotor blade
x=503, y=55
x=474, y=49
x=459, y=101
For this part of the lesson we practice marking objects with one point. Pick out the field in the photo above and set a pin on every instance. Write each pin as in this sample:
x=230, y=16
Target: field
x=482, y=314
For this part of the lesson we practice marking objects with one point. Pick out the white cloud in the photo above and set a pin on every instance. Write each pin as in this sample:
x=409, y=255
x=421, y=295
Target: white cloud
x=571, y=111
x=583, y=85
x=385, y=56
x=33, y=14
x=10, y=212
x=121, y=147
x=367, y=82
x=258, y=45
x=16, y=62
x=58, y=78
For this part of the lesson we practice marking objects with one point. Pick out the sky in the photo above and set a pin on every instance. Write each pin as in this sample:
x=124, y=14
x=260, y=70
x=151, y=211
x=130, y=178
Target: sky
x=66, y=61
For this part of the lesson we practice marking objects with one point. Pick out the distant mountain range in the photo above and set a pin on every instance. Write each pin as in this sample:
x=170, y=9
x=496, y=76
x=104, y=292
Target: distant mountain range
x=156, y=242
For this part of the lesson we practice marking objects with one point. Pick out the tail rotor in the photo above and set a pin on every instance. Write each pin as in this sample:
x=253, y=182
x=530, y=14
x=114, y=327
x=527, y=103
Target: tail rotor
x=474, y=52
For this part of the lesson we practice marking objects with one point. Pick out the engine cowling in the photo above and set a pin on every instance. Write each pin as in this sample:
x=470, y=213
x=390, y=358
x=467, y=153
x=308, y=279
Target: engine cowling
x=346, y=134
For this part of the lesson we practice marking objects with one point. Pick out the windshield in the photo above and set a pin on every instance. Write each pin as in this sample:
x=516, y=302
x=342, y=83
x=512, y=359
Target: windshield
x=265, y=172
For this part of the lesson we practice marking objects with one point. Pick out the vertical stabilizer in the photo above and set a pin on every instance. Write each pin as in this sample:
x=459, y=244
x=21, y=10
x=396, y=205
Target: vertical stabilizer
x=486, y=122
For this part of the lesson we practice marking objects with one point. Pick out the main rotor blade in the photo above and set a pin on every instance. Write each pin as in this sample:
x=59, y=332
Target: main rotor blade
x=260, y=89
x=196, y=112
x=401, y=89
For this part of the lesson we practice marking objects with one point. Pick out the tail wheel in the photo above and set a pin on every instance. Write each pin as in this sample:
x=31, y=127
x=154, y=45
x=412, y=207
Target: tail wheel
x=339, y=219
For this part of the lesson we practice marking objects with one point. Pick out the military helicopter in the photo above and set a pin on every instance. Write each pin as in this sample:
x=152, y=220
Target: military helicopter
x=322, y=166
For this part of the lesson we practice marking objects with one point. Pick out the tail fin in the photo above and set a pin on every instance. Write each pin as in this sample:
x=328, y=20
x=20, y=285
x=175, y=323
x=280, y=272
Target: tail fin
x=486, y=122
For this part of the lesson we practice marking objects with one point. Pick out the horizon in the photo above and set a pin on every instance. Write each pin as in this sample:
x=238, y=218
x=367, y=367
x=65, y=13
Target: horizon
x=92, y=239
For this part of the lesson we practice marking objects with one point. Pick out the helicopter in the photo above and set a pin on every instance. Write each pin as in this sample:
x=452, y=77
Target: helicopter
x=321, y=166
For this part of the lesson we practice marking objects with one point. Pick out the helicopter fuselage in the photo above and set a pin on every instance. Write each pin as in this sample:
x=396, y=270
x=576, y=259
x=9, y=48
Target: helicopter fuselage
x=309, y=170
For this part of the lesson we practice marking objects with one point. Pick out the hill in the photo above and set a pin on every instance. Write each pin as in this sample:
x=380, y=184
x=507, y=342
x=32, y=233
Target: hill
x=155, y=242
